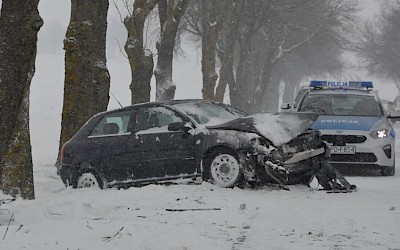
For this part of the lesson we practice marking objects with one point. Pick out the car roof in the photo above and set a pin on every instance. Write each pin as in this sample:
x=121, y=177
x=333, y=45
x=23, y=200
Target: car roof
x=95, y=118
x=168, y=102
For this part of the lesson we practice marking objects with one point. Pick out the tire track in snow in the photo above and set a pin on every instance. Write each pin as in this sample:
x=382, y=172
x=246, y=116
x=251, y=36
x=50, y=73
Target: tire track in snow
x=242, y=235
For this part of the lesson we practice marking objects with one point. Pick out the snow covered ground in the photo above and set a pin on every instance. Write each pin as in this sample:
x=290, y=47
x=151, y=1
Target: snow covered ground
x=216, y=218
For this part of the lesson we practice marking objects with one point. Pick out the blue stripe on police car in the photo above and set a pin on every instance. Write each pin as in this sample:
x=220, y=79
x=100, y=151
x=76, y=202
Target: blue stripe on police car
x=345, y=122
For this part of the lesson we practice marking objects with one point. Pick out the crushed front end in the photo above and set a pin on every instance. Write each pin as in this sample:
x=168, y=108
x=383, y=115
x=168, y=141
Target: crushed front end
x=298, y=162
x=281, y=148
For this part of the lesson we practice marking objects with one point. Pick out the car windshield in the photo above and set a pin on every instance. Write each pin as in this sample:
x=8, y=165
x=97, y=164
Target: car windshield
x=208, y=113
x=339, y=104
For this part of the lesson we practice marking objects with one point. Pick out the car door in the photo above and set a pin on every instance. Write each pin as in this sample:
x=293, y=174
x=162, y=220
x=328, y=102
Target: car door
x=107, y=146
x=156, y=151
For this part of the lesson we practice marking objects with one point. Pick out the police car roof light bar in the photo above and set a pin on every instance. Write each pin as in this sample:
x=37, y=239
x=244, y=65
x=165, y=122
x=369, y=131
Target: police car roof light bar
x=341, y=85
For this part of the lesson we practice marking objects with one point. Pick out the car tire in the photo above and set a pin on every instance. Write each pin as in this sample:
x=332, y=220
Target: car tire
x=388, y=171
x=223, y=169
x=88, y=179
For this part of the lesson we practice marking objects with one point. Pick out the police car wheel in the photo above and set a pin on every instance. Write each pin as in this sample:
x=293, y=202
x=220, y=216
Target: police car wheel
x=388, y=171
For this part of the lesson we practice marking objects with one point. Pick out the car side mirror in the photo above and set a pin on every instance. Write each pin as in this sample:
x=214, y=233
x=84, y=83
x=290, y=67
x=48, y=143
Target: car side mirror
x=286, y=106
x=178, y=126
x=394, y=115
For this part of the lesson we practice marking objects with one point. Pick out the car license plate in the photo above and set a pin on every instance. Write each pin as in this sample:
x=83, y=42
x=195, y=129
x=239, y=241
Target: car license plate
x=348, y=150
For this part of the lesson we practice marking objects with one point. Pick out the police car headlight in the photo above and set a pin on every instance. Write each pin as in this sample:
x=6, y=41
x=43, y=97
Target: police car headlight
x=382, y=133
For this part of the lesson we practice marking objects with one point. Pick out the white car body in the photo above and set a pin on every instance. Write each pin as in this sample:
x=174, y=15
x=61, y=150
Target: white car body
x=357, y=140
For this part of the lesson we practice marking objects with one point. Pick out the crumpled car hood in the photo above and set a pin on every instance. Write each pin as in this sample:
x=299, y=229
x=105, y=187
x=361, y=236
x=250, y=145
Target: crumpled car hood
x=279, y=128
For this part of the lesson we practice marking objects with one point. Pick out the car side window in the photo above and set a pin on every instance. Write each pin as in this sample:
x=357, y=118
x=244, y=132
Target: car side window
x=154, y=119
x=112, y=124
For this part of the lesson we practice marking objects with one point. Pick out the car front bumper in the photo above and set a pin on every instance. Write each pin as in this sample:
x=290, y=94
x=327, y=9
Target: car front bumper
x=369, y=152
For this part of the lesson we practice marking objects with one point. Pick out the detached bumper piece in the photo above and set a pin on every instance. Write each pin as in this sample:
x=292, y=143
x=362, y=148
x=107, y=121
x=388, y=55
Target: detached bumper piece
x=333, y=181
x=328, y=177
x=305, y=155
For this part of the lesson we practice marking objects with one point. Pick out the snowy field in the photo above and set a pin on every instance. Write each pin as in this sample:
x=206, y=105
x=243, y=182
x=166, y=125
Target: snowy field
x=214, y=218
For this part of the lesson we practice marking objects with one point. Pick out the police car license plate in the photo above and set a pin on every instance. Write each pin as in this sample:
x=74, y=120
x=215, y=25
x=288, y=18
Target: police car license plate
x=348, y=150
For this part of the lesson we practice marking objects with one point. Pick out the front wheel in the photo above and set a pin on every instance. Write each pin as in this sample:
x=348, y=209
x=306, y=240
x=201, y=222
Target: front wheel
x=223, y=169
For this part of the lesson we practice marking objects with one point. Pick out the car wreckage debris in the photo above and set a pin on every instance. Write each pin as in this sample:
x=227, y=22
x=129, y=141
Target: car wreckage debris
x=7, y=201
x=332, y=180
x=191, y=209
x=328, y=177
x=305, y=155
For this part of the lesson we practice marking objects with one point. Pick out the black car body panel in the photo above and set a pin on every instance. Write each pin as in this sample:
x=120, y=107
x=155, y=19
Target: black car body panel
x=160, y=141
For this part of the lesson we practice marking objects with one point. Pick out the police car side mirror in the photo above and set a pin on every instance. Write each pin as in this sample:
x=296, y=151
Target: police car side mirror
x=394, y=115
x=286, y=106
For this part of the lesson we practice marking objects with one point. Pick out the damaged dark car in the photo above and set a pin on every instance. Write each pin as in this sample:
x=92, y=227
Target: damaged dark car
x=189, y=139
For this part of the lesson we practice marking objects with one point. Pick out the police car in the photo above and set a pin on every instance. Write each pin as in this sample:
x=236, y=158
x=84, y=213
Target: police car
x=354, y=123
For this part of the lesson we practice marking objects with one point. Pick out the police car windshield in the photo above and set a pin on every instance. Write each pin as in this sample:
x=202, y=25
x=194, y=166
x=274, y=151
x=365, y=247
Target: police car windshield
x=346, y=105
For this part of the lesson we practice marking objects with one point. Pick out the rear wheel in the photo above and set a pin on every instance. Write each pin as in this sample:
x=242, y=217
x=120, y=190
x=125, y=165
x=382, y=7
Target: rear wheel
x=223, y=169
x=88, y=179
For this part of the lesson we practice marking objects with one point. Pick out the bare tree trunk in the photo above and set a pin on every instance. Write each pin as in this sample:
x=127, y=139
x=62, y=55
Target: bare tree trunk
x=226, y=52
x=140, y=59
x=270, y=102
x=265, y=88
x=87, y=81
x=209, y=45
x=251, y=22
x=222, y=83
x=292, y=83
x=242, y=71
x=171, y=13
x=19, y=24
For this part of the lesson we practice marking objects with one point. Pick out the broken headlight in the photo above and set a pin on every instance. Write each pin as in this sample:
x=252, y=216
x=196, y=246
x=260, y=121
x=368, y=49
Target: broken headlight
x=262, y=146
